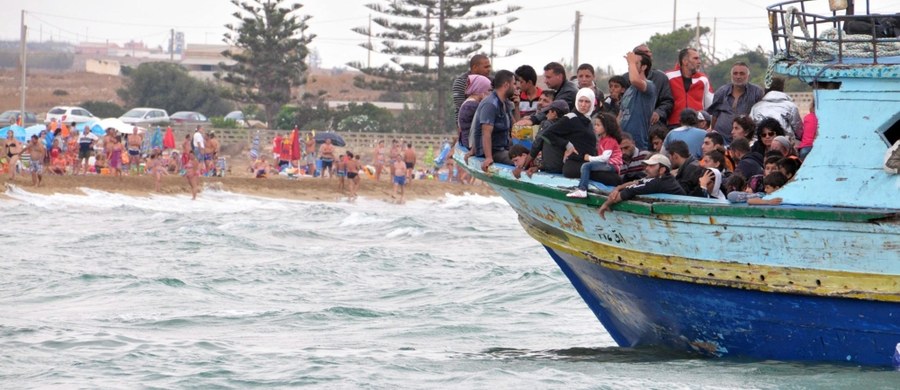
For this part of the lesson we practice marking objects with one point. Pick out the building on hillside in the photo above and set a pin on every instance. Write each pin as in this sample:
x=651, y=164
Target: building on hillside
x=202, y=61
x=95, y=48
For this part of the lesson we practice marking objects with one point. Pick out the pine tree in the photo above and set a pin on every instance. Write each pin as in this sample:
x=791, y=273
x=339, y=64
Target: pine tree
x=270, y=56
x=440, y=29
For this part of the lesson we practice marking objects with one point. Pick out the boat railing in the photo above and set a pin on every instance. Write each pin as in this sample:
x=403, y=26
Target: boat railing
x=824, y=37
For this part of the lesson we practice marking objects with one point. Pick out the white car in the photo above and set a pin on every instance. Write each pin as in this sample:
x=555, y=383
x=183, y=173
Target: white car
x=66, y=114
x=145, y=116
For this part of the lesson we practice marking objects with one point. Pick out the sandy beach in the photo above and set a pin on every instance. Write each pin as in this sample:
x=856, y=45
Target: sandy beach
x=303, y=188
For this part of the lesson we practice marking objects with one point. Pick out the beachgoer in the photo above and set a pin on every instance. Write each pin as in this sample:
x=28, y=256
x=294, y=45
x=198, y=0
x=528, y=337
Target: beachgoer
x=135, y=141
x=352, y=175
x=378, y=159
x=86, y=141
x=399, y=181
x=409, y=158
x=192, y=174
x=114, y=156
x=326, y=153
x=13, y=151
x=38, y=151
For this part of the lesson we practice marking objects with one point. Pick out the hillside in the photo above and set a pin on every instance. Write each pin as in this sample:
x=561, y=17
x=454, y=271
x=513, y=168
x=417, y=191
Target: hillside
x=82, y=86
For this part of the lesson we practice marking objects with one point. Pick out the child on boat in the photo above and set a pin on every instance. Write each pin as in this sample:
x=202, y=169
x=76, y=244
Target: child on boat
x=609, y=155
x=772, y=182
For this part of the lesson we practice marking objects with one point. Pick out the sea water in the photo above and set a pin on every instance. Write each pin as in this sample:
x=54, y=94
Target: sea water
x=102, y=290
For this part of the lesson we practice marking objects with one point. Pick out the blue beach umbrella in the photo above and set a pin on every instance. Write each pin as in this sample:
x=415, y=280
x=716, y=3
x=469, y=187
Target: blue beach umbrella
x=94, y=126
x=34, y=130
x=18, y=132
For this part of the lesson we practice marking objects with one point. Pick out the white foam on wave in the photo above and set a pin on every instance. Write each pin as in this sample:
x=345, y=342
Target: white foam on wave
x=405, y=232
x=363, y=219
x=209, y=201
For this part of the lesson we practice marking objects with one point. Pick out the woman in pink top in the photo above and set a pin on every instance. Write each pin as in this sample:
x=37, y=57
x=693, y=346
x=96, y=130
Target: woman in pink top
x=810, y=128
x=609, y=154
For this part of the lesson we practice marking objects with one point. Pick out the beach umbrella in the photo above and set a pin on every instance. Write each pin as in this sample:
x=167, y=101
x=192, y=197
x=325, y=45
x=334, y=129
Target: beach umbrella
x=254, y=147
x=156, y=140
x=94, y=126
x=169, y=139
x=335, y=138
x=19, y=132
x=34, y=130
x=121, y=127
x=295, y=145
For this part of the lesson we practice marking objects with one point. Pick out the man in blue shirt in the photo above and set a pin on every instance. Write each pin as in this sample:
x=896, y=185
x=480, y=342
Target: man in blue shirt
x=494, y=122
x=639, y=100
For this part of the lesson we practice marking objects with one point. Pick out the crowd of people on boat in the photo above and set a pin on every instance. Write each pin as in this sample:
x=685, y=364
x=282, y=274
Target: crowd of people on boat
x=655, y=131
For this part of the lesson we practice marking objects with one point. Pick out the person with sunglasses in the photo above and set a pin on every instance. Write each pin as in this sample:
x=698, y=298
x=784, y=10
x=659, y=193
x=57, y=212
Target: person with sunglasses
x=766, y=131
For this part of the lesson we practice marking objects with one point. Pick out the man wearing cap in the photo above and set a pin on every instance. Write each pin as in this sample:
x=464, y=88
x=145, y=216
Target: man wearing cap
x=659, y=180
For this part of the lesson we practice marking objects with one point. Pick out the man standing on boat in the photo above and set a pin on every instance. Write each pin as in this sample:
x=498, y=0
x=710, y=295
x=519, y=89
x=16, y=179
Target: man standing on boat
x=555, y=78
x=636, y=110
x=659, y=180
x=733, y=100
x=690, y=87
x=478, y=64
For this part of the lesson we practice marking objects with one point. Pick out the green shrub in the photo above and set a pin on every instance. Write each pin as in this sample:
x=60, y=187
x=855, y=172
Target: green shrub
x=219, y=122
x=103, y=109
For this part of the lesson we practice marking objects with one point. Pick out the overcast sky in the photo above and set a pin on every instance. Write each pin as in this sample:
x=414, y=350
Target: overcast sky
x=543, y=31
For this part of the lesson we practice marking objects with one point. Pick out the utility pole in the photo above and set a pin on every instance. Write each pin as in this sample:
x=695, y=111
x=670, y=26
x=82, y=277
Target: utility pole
x=713, y=53
x=369, y=60
x=24, y=64
x=172, y=45
x=577, y=33
x=674, y=11
x=697, y=33
x=492, y=42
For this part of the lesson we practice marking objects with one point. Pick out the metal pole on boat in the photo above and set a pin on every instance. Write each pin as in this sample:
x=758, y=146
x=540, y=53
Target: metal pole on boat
x=24, y=63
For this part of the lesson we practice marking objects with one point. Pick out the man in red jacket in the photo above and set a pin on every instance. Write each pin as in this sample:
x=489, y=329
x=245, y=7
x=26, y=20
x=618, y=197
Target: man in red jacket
x=690, y=87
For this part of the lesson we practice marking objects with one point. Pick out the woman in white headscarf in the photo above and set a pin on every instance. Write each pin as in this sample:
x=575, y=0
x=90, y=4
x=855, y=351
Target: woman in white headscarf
x=711, y=184
x=574, y=134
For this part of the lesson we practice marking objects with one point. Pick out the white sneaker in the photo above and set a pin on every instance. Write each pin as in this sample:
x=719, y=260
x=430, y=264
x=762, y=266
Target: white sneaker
x=577, y=194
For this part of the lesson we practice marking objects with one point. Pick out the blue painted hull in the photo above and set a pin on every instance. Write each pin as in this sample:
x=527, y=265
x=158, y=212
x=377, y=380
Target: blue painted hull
x=723, y=321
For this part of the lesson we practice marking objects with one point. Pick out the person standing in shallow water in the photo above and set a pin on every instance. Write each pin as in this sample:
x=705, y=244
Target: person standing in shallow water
x=352, y=175
x=192, y=174
x=38, y=151
x=409, y=158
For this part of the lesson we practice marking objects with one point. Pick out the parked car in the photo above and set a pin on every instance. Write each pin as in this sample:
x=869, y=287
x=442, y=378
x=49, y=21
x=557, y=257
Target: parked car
x=69, y=114
x=237, y=117
x=9, y=118
x=145, y=116
x=188, y=117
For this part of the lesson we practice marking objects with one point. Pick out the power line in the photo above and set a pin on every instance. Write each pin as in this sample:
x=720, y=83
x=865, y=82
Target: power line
x=30, y=13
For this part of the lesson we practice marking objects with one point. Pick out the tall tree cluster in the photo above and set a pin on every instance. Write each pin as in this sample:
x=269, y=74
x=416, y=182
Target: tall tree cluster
x=438, y=30
x=270, y=55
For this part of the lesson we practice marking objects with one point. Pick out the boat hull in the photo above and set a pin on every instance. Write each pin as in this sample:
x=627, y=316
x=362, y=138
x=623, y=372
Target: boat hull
x=640, y=310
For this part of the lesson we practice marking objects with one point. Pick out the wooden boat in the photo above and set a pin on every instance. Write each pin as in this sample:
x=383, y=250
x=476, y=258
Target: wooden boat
x=814, y=279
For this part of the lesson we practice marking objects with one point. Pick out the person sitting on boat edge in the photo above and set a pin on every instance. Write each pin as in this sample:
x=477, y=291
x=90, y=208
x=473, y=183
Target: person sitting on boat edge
x=494, y=121
x=574, y=134
x=688, y=169
x=551, y=156
x=608, y=161
x=519, y=154
x=659, y=180
x=543, y=156
x=772, y=182
x=479, y=87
